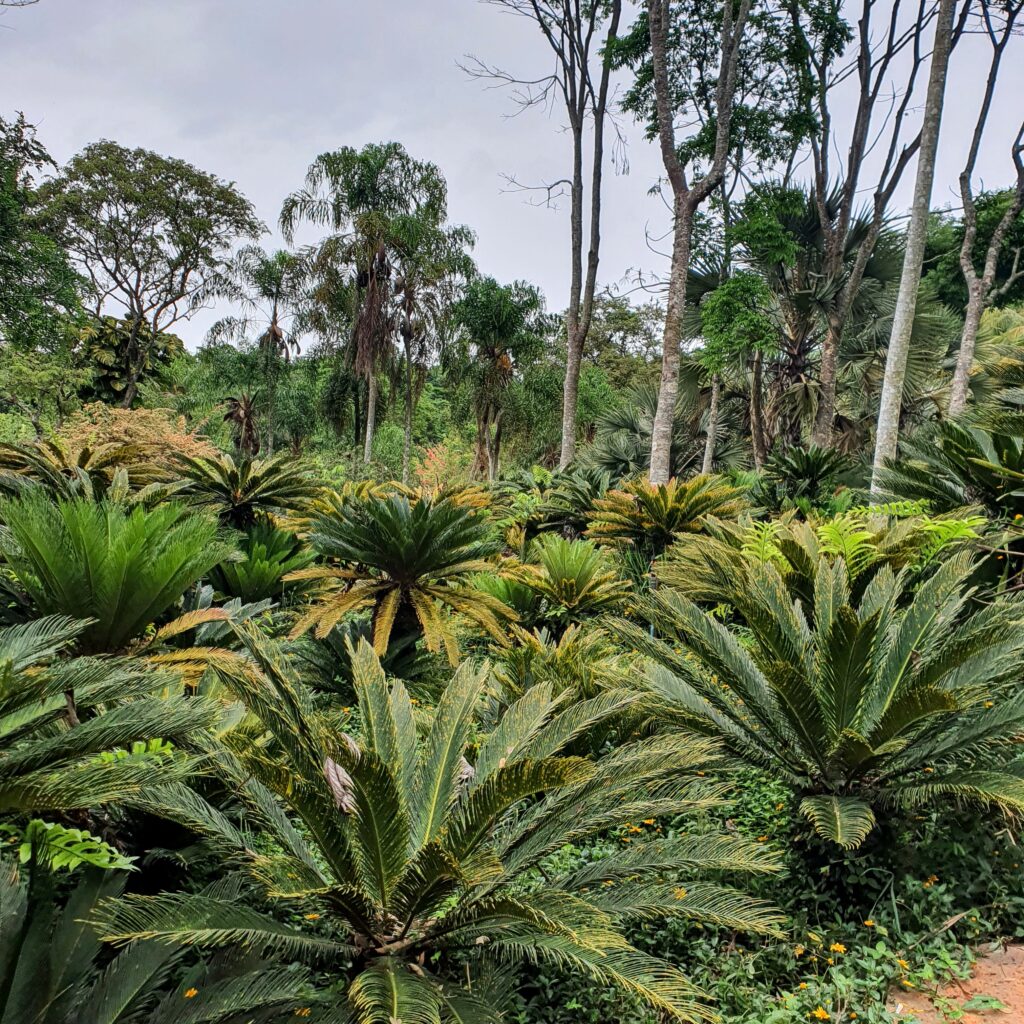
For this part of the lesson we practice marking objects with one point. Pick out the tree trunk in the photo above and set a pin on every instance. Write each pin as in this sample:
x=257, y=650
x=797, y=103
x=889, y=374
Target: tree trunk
x=407, y=440
x=371, y=416
x=492, y=438
x=825, y=414
x=357, y=413
x=712, y=433
x=668, y=389
x=887, y=433
x=757, y=438
x=960, y=387
x=570, y=395
x=479, y=468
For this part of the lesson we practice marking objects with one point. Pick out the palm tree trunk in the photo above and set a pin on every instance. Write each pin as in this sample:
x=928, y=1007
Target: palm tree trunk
x=712, y=434
x=757, y=438
x=887, y=433
x=371, y=415
x=824, y=417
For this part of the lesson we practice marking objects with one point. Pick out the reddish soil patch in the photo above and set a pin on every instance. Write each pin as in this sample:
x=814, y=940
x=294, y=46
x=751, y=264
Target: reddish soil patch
x=998, y=976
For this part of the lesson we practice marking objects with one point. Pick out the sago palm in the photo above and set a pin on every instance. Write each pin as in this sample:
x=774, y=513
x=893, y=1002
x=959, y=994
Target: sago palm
x=715, y=568
x=50, y=763
x=238, y=491
x=270, y=553
x=122, y=569
x=647, y=517
x=889, y=702
x=54, y=969
x=415, y=874
x=402, y=557
x=573, y=580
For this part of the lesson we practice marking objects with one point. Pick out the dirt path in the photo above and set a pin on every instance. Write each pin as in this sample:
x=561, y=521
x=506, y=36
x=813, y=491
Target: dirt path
x=994, y=993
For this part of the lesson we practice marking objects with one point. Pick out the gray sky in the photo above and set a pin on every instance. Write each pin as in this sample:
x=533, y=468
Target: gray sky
x=252, y=90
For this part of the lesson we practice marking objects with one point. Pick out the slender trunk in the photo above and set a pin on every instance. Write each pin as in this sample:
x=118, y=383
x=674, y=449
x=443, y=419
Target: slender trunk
x=757, y=438
x=825, y=414
x=960, y=386
x=668, y=389
x=134, y=363
x=492, y=442
x=887, y=433
x=357, y=414
x=407, y=440
x=712, y=434
x=570, y=396
x=371, y=415
x=479, y=470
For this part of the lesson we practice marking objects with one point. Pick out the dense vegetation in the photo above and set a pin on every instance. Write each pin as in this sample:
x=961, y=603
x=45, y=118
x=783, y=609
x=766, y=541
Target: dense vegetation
x=407, y=653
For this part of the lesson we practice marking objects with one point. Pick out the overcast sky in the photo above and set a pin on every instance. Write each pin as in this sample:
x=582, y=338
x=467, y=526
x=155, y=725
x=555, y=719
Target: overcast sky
x=252, y=90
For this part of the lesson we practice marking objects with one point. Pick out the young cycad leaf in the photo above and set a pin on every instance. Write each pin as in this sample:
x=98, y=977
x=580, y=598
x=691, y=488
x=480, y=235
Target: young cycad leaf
x=844, y=820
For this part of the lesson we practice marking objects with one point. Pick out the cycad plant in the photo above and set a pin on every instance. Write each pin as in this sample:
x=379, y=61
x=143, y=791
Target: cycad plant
x=895, y=700
x=573, y=580
x=955, y=464
x=715, y=568
x=122, y=569
x=49, y=761
x=270, y=553
x=647, y=517
x=403, y=558
x=54, y=969
x=419, y=878
x=239, y=491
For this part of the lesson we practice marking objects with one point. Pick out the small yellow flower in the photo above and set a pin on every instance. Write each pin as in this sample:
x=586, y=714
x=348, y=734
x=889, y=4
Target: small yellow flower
x=990, y=704
x=648, y=821
x=821, y=1013
x=779, y=807
x=907, y=984
x=762, y=839
x=929, y=769
x=191, y=993
x=680, y=893
x=802, y=985
x=904, y=964
x=869, y=923
x=312, y=917
x=830, y=961
x=837, y=947
x=626, y=839
x=799, y=951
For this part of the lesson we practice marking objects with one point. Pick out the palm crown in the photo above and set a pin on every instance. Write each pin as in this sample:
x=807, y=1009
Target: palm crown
x=414, y=862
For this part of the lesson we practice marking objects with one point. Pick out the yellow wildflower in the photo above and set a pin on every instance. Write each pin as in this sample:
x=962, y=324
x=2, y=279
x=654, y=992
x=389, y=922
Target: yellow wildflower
x=837, y=947
x=798, y=950
x=869, y=923
x=312, y=917
x=904, y=964
x=821, y=1013
x=680, y=893
x=191, y=993
x=802, y=985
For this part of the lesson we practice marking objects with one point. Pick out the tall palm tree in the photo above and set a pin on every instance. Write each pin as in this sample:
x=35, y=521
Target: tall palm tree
x=271, y=289
x=417, y=871
x=361, y=196
x=899, y=699
x=431, y=262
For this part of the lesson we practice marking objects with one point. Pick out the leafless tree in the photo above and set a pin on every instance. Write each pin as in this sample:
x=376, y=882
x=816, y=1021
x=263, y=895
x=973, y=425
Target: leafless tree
x=687, y=196
x=578, y=33
x=913, y=257
x=885, y=65
x=998, y=25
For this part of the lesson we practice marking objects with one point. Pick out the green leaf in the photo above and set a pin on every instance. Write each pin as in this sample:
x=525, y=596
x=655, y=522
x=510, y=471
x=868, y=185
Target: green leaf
x=844, y=820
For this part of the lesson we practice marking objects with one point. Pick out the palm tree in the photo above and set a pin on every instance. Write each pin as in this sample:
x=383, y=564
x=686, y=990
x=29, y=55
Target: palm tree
x=414, y=869
x=241, y=491
x=502, y=326
x=121, y=569
x=647, y=517
x=403, y=558
x=271, y=289
x=362, y=196
x=270, y=554
x=431, y=260
x=51, y=762
x=897, y=700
